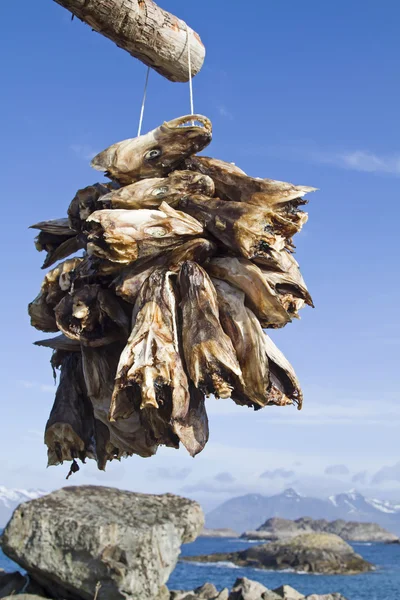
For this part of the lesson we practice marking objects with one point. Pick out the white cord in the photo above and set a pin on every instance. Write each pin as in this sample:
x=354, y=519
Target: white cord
x=190, y=72
x=144, y=102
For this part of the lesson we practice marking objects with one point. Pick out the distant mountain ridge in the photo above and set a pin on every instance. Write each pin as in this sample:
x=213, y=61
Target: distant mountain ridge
x=11, y=498
x=252, y=510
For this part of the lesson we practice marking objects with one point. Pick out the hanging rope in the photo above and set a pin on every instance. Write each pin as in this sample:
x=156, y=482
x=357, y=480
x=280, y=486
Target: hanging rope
x=190, y=72
x=190, y=84
x=144, y=102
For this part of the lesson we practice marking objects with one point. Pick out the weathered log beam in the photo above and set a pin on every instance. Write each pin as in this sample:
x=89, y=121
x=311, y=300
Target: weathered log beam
x=146, y=31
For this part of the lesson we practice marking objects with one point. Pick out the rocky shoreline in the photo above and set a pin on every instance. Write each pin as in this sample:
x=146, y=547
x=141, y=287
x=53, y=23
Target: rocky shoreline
x=87, y=542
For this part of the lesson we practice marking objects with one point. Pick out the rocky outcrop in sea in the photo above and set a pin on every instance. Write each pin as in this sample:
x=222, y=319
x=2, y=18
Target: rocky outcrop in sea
x=310, y=553
x=352, y=531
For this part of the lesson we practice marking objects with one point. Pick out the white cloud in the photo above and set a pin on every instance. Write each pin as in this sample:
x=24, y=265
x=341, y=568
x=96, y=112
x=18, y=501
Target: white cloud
x=83, y=151
x=361, y=160
x=35, y=385
x=387, y=473
x=352, y=159
x=224, y=112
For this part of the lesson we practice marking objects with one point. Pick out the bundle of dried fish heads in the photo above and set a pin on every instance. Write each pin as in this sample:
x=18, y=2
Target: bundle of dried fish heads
x=185, y=261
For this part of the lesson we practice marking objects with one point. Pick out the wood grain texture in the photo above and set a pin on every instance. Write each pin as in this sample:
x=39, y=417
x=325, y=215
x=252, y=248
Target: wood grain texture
x=146, y=31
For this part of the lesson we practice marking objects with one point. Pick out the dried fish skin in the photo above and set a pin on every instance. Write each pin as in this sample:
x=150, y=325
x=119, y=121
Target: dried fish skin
x=60, y=342
x=291, y=290
x=127, y=436
x=157, y=153
x=69, y=431
x=285, y=387
x=86, y=201
x=242, y=228
x=260, y=295
x=150, y=193
x=93, y=316
x=129, y=282
x=152, y=357
x=233, y=184
x=123, y=236
x=54, y=287
x=193, y=431
x=247, y=336
x=209, y=354
x=57, y=239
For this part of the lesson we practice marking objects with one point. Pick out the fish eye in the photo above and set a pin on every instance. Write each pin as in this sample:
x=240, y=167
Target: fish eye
x=161, y=191
x=152, y=154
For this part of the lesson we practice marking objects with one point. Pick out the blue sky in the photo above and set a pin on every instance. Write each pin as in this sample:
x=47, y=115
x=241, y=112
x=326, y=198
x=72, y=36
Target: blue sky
x=304, y=92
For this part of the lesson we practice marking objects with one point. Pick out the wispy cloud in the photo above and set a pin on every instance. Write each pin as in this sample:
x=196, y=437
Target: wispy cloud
x=224, y=112
x=360, y=160
x=28, y=385
x=277, y=474
x=170, y=473
x=83, y=151
x=351, y=159
x=337, y=470
x=387, y=473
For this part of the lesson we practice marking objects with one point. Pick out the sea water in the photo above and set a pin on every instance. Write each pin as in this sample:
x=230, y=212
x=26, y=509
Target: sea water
x=381, y=584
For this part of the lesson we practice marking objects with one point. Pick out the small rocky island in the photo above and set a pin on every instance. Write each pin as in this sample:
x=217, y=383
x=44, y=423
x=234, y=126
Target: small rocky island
x=310, y=552
x=352, y=531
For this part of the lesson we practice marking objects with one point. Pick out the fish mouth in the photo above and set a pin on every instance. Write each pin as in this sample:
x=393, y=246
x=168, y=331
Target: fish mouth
x=193, y=123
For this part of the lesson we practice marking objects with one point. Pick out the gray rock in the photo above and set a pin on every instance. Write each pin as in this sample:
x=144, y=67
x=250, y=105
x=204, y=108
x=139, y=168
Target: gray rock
x=223, y=595
x=325, y=597
x=246, y=589
x=208, y=591
x=288, y=593
x=24, y=597
x=70, y=540
x=11, y=583
x=15, y=583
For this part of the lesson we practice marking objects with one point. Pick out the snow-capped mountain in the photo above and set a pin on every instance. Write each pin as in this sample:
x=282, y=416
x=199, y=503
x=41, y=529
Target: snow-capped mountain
x=250, y=511
x=11, y=498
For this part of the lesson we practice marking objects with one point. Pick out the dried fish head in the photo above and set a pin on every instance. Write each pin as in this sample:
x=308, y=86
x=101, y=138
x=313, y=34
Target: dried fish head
x=245, y=331
x=285, y=387
x=93, y=316
x=85, y=202
x=58, y=239
x=127, y=435
x=157, y=153
x=123, y=236
x=152, y=357
x=55, y=285
x=150, y=193
x=70, y=429
x=231, y=183
x=248, y=277
x=240, y=227
x=209, y=354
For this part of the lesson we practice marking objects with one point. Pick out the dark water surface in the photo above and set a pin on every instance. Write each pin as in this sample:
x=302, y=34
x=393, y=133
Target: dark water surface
x=382, y=584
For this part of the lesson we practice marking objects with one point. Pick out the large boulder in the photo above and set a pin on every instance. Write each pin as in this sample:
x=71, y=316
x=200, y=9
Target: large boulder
x=73, y=539
x=247, y=589
x=310, y=552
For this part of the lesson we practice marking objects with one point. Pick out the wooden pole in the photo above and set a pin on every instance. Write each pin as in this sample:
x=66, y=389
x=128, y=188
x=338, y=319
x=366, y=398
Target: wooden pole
x=146, y=31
